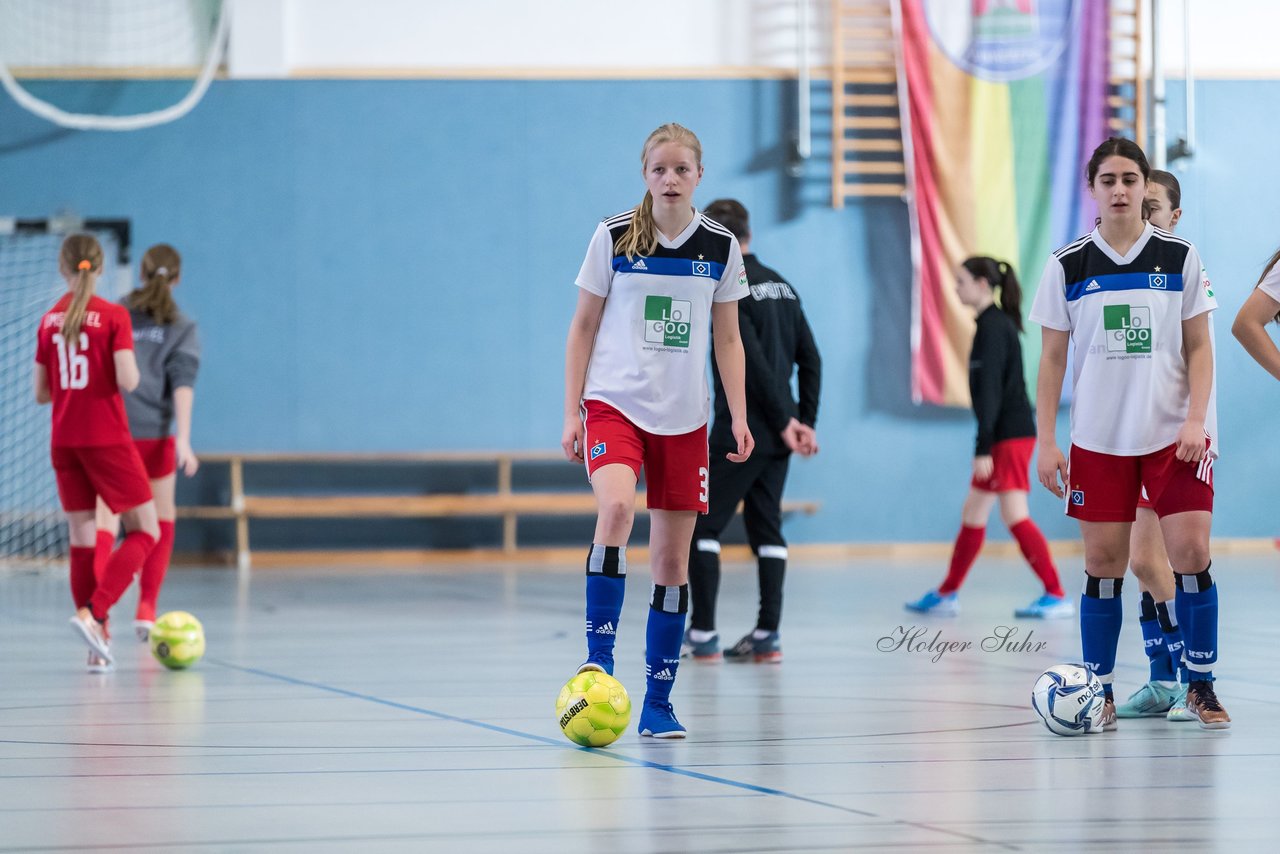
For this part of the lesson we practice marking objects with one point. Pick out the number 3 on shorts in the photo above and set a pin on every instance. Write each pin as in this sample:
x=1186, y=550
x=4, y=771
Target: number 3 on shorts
x=702, y=484
x=73, y=366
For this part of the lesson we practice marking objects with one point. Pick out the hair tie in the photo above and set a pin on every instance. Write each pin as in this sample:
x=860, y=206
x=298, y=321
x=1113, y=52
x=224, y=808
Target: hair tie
x=84, y=265
x=162, y=271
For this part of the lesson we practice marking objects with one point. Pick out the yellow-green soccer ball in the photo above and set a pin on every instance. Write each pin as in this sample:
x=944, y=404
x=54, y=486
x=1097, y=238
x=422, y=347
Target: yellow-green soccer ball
x=593, y=709
x=177, y=640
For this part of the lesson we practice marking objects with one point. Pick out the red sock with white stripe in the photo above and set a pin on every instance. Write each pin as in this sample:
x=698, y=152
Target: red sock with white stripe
x=968, y=544
x=1036, y=550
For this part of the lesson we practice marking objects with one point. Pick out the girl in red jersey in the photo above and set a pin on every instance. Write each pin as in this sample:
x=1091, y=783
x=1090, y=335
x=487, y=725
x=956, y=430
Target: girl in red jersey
x=659, y=284
x=84, y=357
x=1006, y=439
x=167, y=348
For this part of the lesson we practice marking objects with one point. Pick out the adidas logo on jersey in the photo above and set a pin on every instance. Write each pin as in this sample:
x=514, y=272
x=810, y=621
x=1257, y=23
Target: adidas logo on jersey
x=1093, y=286
x=606, y=629
x=665, y=675
x=639, y=265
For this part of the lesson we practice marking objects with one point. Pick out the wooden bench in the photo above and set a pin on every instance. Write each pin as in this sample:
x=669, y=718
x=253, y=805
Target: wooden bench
x=504, y=502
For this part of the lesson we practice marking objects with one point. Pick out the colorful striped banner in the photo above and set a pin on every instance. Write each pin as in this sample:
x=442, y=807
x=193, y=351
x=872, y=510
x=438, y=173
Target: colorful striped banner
x=1005, y=99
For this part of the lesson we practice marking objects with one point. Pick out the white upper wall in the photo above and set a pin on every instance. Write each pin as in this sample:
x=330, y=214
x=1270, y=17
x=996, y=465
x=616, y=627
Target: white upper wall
x=488, y=36
x=280, y=38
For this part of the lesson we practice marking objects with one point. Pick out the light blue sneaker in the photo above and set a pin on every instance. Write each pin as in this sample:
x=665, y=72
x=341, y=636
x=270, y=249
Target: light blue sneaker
x=1047, y=608
x=1152, y=700
x=600, y=662
x=933, y=603
x=658, y=720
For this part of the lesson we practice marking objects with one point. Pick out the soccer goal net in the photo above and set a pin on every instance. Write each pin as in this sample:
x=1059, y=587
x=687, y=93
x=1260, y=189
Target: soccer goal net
x=44, y=43
x=32, y=527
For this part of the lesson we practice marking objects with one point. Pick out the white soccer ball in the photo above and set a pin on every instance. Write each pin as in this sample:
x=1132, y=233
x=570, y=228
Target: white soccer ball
x=1069, y=699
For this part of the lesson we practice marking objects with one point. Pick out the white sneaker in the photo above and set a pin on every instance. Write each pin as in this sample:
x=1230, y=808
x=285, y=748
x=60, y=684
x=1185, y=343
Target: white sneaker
x=92, y=633
x=142, y=628
x=1178, y=712
x=98, y=664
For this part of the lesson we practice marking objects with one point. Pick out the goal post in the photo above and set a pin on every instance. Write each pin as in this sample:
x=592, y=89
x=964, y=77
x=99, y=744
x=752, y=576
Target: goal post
x=32, y=526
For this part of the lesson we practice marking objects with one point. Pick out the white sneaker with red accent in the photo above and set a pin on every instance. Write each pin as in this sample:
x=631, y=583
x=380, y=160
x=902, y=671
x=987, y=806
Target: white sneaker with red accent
x=92, y=633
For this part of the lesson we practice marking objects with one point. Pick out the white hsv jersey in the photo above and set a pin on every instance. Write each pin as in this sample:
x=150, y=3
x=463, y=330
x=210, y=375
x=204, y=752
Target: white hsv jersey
x=1124, y=313
x=649, y=360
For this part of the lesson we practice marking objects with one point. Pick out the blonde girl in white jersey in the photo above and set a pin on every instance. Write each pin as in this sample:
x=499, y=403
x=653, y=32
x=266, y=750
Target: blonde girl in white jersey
x=659, y=283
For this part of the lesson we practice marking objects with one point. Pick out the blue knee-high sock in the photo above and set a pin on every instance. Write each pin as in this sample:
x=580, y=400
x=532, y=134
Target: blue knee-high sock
x=1172, y=638
x=1153, y=640
x=662, y=640
x=1196, y=604
x=606, y=586
x=1101, y=613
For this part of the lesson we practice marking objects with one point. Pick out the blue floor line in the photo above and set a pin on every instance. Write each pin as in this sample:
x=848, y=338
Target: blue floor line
x=542, y=739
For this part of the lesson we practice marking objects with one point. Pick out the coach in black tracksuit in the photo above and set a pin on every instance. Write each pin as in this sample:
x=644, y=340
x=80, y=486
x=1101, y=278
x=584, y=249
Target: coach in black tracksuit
x=777, y=340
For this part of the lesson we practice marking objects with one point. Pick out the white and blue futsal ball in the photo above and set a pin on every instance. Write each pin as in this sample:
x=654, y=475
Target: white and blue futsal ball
x=1069, y=699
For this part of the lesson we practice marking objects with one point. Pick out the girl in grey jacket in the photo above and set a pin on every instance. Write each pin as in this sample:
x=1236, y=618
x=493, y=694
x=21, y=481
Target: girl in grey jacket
x=168, y=352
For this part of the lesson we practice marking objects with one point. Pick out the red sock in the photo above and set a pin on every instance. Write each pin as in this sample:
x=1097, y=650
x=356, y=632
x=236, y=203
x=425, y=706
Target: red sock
x=83, y=579
x=105, y=542
x=153, y=571
x=968, y=544
x=1036, y=550
x=123, y=565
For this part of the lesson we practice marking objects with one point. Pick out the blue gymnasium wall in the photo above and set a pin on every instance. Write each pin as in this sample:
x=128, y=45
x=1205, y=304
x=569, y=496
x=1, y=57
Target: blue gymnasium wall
x=389, y=265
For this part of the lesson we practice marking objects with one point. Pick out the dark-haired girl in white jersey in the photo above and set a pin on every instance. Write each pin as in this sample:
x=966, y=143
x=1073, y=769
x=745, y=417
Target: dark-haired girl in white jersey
x=1132, y=303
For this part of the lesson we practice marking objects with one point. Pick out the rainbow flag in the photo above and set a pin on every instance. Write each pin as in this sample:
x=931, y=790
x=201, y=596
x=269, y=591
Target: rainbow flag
x=1005, y=100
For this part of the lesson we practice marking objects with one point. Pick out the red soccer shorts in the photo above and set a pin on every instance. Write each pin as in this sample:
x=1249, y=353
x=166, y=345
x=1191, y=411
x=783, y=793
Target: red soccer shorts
x=114, y=472
x=1012, y=458
x=158, y=456
x=1107, y=487
x=1144, y=503
x=675, y=467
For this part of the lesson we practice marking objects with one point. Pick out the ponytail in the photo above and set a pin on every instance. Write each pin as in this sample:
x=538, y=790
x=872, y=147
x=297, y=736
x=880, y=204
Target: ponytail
x=999, y=275
x=1275, y=259
x=641, y=236
x=161, y=266
x=81, y=263
x=1010, y=294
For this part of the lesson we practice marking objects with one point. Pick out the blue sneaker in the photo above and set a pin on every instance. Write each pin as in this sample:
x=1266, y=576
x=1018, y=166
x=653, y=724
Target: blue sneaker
x=601, y=662
x=933, y=603
x=765, y=650
x=1048, y=608
x=707, y=650
x=1152, y=700
x=658, y=720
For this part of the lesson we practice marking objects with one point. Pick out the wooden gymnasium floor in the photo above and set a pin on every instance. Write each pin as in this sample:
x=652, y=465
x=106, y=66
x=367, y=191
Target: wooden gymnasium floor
x=400, y=711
